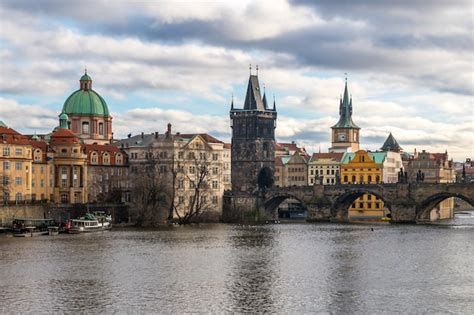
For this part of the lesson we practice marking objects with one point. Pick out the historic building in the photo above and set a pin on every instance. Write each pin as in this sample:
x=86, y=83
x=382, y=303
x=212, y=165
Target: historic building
x=180, y=160
x=393, y=164
x=364, y=167
x=15, y=168
x=88, y=114
x=426, y=167
x=253, y=138
x=324, y=168
x=345, y=134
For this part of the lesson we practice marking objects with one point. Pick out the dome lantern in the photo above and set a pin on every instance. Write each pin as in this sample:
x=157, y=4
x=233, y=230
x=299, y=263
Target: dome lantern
x=85, y=82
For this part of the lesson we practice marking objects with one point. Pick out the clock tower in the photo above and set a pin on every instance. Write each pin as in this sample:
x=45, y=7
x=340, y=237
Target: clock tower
x=345, y=134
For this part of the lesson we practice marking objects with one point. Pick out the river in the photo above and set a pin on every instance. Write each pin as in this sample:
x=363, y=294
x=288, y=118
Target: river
x=288, y=268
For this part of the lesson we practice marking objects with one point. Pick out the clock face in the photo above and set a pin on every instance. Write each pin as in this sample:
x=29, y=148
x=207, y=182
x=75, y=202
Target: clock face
x=341, y=137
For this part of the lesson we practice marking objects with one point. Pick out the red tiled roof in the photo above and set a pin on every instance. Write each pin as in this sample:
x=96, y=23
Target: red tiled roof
x=8, y=131
x=63, y=136
x=227, y=145
x=438, y=156
x=278, y=161
x=40, y=145
x=288, y=146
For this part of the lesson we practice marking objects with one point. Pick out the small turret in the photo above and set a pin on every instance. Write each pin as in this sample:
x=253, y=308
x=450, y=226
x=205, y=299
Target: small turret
x=63, y=118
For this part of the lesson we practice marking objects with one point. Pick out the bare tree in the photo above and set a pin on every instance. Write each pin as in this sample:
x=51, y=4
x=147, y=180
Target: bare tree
x=110, y=183
x=199, y=201
x=150, y=192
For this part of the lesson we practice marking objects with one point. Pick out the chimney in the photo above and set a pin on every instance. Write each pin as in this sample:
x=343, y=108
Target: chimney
x=156, y=134
x=168, y=132
x=143, y=134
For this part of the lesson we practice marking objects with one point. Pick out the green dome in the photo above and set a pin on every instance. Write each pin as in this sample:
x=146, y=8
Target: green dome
x=85, y=102
x=63, y=116
x=85, y=77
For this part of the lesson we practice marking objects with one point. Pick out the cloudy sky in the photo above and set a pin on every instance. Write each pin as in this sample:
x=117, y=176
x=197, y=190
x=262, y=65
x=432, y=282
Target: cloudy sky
x=409, y=63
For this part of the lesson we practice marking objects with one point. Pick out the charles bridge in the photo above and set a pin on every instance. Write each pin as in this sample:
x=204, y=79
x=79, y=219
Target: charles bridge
x=407, y=203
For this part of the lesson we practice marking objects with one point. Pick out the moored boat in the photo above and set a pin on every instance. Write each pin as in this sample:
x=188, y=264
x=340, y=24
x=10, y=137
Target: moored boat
x=27, y=227
x=88, y=223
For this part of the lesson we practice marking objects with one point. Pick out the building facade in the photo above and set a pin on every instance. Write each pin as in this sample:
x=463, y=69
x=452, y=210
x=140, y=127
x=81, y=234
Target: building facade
x=324, y=168
x=364, y=167
x=253, y=138
x=180, y=160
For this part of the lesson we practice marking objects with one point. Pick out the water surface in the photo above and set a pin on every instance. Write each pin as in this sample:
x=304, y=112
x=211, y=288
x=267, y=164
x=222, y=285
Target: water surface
x=228, y=268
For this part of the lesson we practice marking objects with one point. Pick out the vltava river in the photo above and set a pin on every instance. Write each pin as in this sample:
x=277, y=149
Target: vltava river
x=291, y=268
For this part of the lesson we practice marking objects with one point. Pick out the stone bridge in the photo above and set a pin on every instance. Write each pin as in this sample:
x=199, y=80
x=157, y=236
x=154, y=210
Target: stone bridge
x=406, y=202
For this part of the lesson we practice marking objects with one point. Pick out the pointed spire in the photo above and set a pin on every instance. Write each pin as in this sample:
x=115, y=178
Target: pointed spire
x=232, y=102
x=250, y=69
x=256, y=68
x=274, y=104
x=264, y=100
x=253, y=98
x=345, y=110
x=391, y=144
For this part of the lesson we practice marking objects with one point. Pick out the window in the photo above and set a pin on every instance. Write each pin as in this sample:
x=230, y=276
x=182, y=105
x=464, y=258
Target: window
x=215, y=156
x=118, y=159
x=163, y=169
x=18, y=166
x=18, y=151
x=42, y=183
x=163, y=154
x=6, y=165
x=85, y=127
x=180, y=155
x=192, y=169
x=180, y=184
x=106, y=159
x=33, y=197
x=64, y=198
x=42, y=169
x=215, y=200
x=191, y=156
x=215, y=184
x=18, y=196
x=101, y=128
x=191, y=184
x=18, y=180
x=215, y=170
x=33, y=182
x=6, y=151
x=64, y=177
x=6, y=180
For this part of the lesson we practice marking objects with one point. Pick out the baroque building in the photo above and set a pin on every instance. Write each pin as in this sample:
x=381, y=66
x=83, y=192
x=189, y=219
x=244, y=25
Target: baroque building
x=324, y=168
x=88, y=114
x=345, y=133
x=253, y=138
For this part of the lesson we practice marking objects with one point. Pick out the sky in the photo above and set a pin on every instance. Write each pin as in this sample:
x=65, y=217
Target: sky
x=409, y=65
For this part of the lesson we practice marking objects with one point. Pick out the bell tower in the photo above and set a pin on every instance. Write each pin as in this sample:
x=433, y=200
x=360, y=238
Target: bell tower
x=345, y=134
x=253, y=138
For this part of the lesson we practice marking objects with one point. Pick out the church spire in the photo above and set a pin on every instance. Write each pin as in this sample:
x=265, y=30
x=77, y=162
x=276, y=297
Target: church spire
x=253, y=99
x=274, y=104
x=345, y=111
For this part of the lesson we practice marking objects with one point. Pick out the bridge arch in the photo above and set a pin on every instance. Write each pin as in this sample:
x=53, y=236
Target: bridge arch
x=272, y=202
x=425, y=207
x=340, y=206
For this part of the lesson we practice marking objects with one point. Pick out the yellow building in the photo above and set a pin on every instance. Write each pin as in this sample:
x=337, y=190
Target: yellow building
x=15, y=165
x=41, y=172
x=364, y=167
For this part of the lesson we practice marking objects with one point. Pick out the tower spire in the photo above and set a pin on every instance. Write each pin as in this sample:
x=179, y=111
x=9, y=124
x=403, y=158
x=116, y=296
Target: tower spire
x=250, y=69
x=274, y=103
x=232, y=102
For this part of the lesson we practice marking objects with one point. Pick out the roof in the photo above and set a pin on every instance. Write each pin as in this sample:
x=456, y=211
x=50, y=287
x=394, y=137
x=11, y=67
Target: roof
x=208, y=138
x=227, y=145
x=39, y=145
x=391, y=144
x=253, y=99
x=327, y=156
x=377, y=157
x=85, y=102
x=345, y=112
x=63, y=136
x=86, y=77
x=4, y=130
x=101, y=148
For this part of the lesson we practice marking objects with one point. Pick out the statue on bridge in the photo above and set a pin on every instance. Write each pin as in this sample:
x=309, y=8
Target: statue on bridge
x=420, y=176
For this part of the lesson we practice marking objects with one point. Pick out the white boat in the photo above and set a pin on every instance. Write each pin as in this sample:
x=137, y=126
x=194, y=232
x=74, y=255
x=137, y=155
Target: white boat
x=88, y=223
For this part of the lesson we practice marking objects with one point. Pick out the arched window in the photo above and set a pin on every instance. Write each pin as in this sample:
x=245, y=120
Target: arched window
x=369, y=179
x=361, y=179
x=94, y=158
x=377, y=179
x=106, y=158
x=119, y=159
x=353, y=179
x=345, y=179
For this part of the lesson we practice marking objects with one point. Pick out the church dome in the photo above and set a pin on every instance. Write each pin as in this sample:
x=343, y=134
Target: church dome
x=85, y=101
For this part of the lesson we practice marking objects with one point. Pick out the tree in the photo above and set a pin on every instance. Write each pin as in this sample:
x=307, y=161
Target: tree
x=150, y=192
x=194, y=201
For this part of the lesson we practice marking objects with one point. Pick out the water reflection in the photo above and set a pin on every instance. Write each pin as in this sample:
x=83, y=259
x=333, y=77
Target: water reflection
x=253, y=269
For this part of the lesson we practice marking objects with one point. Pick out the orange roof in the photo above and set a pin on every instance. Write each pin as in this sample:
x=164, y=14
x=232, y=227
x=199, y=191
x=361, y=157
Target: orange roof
x=39, y=144
x=8, y=131
x=289, y=146
x=63, y=136
x=227, y=145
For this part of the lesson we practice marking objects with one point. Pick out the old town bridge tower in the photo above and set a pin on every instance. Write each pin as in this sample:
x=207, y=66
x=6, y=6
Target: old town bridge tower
x=253, y=138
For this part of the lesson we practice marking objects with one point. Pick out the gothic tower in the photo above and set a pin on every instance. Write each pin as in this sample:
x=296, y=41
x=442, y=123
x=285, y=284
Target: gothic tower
x=345, y=134
x=253, y=138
